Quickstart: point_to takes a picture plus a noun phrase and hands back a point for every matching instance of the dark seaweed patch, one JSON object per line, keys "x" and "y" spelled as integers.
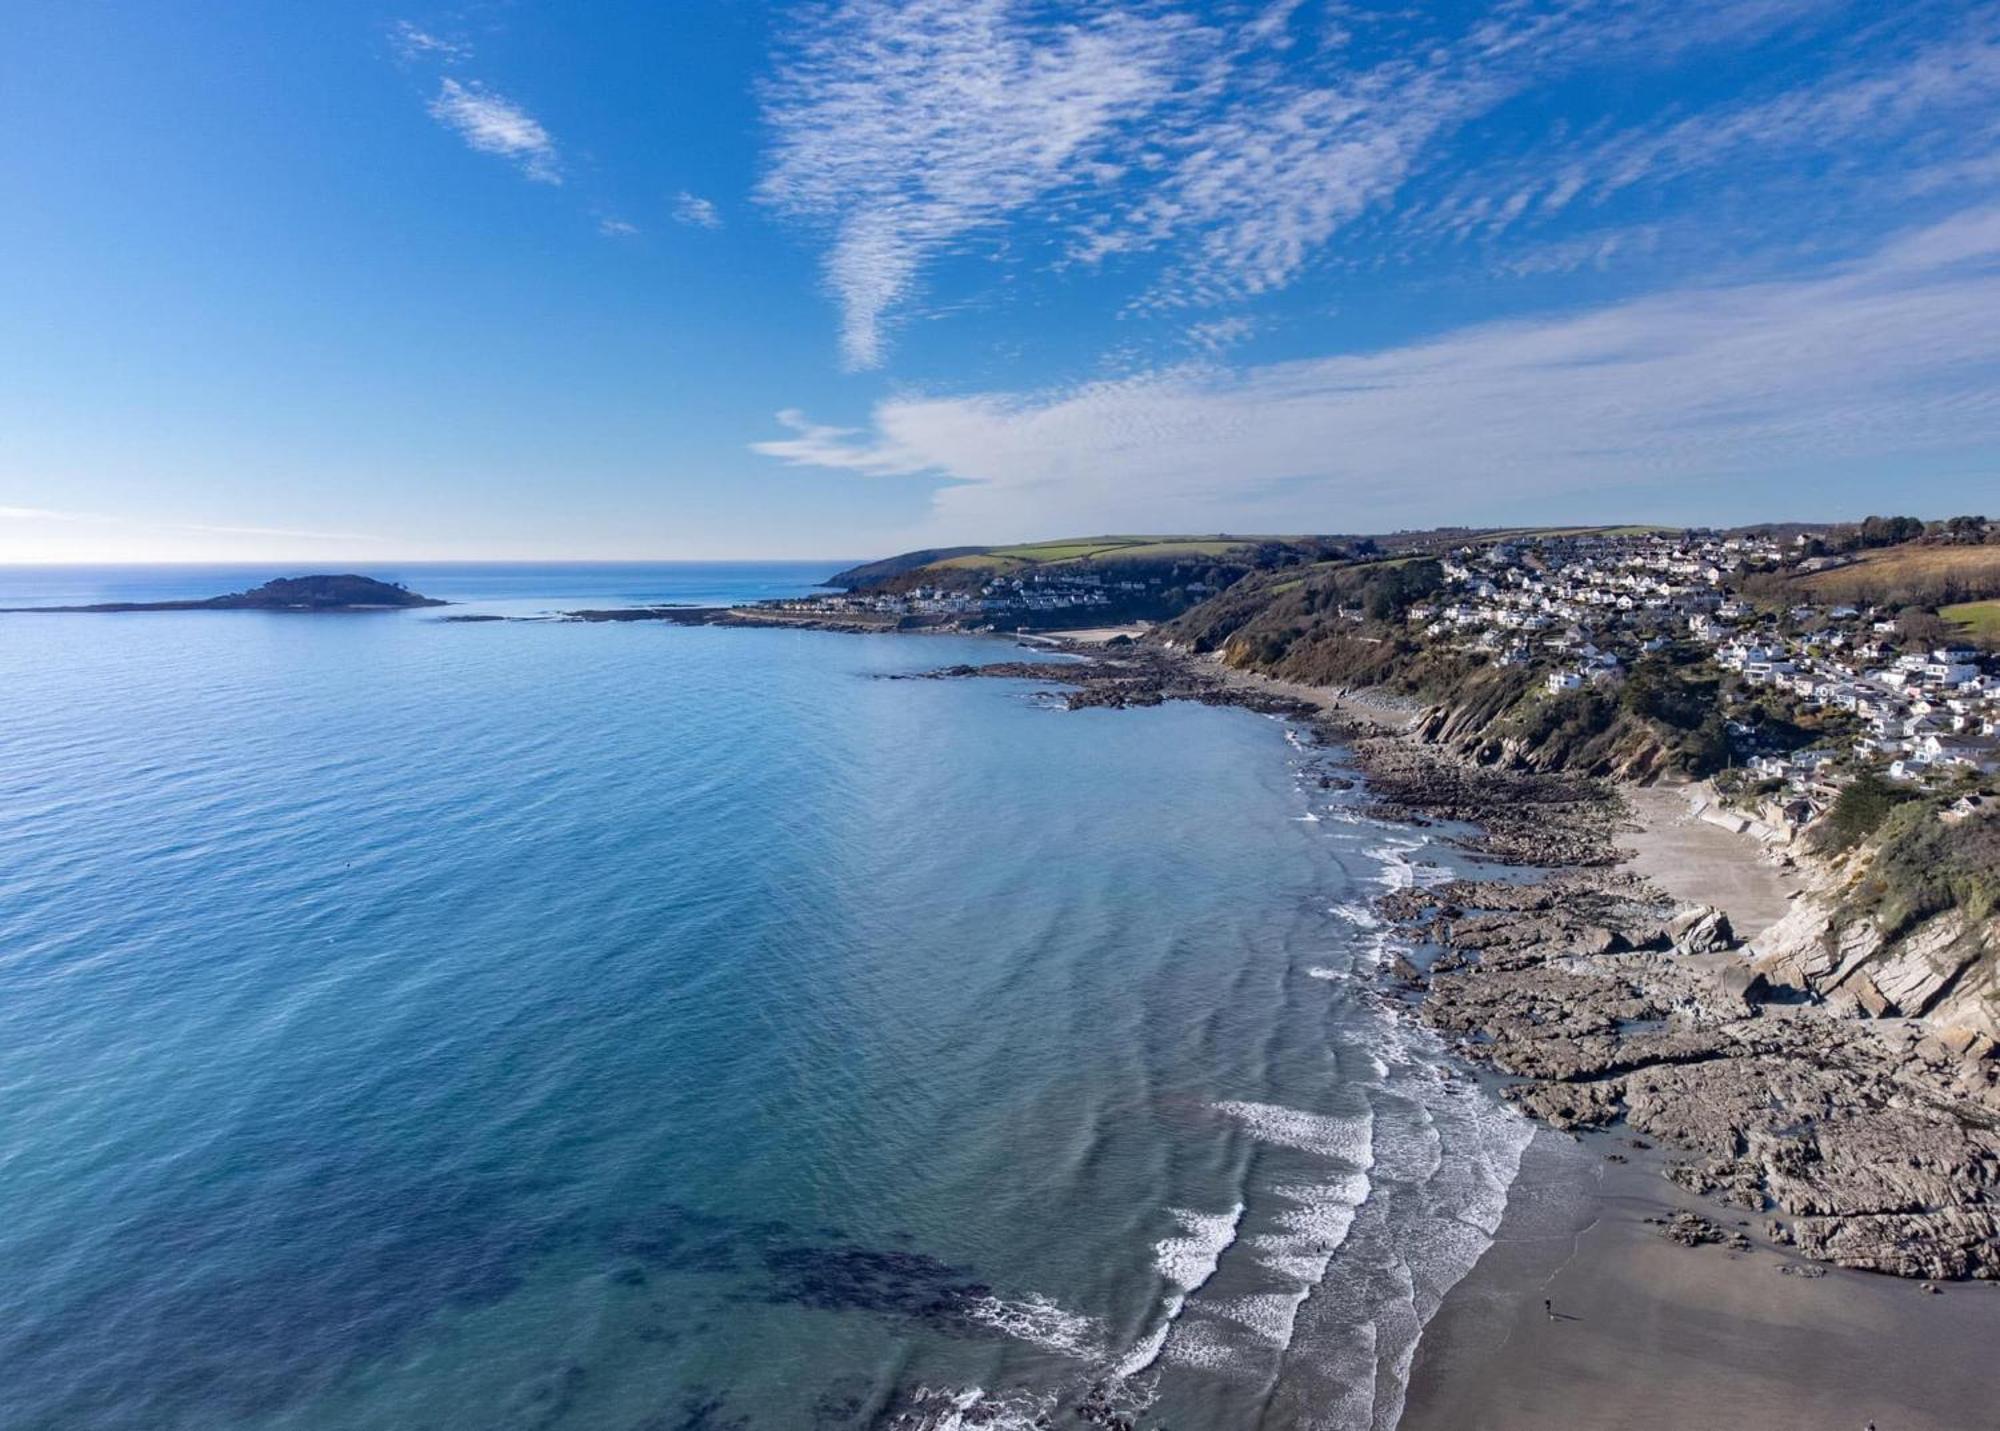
{"x": 292, "y": 1293}
{"x": 890, "y": 1283}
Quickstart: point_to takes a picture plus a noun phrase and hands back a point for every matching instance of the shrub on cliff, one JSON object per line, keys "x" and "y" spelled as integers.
{"x": 1858, "y": 813}
{"x": 1923, "y": 867}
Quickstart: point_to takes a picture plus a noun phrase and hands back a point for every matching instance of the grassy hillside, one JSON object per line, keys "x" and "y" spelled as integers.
{"x": 1224, "y": 555}
{"x": 1341, "y": 623}
{"x": 1979, "y": 620}
{"x": 1112, "y": 551}
{"x": 1913, "y": 574}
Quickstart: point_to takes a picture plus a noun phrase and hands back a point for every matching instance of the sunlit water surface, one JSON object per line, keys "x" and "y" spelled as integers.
{"x": 408, "y": 1023}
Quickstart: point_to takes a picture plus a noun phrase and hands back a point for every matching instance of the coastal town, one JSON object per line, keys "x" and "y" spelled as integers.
{"x": 1815, "y": 693}
{"x": 998, "y": 600}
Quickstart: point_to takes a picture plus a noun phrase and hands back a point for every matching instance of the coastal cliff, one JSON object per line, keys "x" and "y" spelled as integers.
{"x": 1899, "y": 924}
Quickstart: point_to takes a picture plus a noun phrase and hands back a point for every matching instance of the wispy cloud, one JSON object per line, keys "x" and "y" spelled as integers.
{"x": 1892, "y": 355}
{"x": 1252, "y": 189}
{"x": 1237, "y": 145}
{"x": 903, "y": 126}
{"x": 840, "y": 449}
{"x": 1938, "y": 89}
{"x": 696, "y": 211}
{"x": 1219, "y": 334}
{"x": 492, "y": 124}
{"x": 1597, "y": 250}
{"x": 616, "y": 228}
{"x": 304, "y": 535}
{"x": 412, "y": 43}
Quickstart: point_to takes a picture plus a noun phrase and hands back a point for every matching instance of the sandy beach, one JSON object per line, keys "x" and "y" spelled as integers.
{"x": 1701, "y": 863}
{"x": 1649, "y": 1333}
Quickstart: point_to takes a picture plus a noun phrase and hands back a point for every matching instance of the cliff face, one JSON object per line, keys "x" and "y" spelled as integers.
{"x": 1943, "y": 968}
{"x": 1618, "y": 748}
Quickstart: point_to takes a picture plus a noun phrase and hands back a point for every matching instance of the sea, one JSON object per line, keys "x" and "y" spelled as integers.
{"x": 410, "y": 1023}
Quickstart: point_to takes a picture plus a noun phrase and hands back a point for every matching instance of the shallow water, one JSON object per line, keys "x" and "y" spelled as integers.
{"x": 407, "y": 1023}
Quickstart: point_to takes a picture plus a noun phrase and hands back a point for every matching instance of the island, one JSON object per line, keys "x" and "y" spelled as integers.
{"x": 286, "y": 593}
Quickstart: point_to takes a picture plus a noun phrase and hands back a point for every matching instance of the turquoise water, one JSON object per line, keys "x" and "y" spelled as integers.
{"x": 416, "y": 1024}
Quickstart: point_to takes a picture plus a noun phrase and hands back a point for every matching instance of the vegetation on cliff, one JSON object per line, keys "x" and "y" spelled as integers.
{"x": 1343, "y": 624}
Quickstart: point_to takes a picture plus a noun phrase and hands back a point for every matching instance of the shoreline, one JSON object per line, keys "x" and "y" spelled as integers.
{"x": 1705, "y": 1148}
{"x": 1685, "y": 1294}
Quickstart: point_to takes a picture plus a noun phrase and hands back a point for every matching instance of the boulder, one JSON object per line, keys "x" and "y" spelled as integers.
{"x": 1963, "y": 1042}
{"x": 1701, "y": 929}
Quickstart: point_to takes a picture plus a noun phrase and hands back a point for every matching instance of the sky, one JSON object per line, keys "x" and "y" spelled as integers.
{"x": 710, "y": 279}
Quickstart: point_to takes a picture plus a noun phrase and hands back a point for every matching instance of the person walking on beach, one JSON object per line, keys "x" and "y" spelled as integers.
{"x": 1549, "y": 1307}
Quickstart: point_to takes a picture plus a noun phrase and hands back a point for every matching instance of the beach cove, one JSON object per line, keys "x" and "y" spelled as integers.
{"x": 1615, "y": 1294}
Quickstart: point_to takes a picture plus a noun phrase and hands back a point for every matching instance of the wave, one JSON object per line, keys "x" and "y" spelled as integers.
{"x": 1357, "y": 914}
{"x": 1040, "y": 1322}
{"x": 1190, "y": 1259}
{"x": 961, "y": 1408}
{"x": 1331, "y": 1135}
{"x": 1187, "y": 1261}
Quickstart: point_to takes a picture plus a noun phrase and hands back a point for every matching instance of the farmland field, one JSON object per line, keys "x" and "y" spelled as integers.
{"x": 1913, "y": 575}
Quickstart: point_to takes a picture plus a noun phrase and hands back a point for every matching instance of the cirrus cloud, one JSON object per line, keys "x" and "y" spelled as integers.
{"x": 493, "y": 124}
{"x": 900, "y": 127}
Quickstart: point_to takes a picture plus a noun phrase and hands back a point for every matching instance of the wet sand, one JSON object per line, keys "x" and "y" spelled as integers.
{"x": 1653, "y": 1336}
{"x": 1650, "y": 1335}
{"x": 1382, "y": 709}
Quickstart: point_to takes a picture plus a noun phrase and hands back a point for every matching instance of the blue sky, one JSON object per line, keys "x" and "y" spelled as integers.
{"x": 709, "y": 279}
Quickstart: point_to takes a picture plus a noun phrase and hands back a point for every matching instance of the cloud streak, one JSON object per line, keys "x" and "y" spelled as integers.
{"x": 1840, "y": 115}
{"x": 412, "y": 43}
{"x": 901, "y": 127}
{"x": 490, "y": 123}
{"x": 1891, "y": 355}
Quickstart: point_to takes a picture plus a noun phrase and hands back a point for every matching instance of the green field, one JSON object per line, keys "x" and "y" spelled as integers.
{"x": 1111, "y": 549}
{"x": 1977, "y": 619}
{"x": 1107, "y": 549}
{"x": 1516, "y": 534}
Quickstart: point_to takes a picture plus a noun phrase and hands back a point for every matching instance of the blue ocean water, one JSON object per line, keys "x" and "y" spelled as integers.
{"x": 407, "y": 1023}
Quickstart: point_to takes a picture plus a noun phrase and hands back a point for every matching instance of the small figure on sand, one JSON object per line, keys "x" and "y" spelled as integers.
{"x": 1549, "y": 1307}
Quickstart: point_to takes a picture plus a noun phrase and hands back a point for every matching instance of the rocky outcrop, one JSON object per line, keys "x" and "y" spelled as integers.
{"x": 1869, "y": 1156}
{"x": 1864, "y": 1144}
